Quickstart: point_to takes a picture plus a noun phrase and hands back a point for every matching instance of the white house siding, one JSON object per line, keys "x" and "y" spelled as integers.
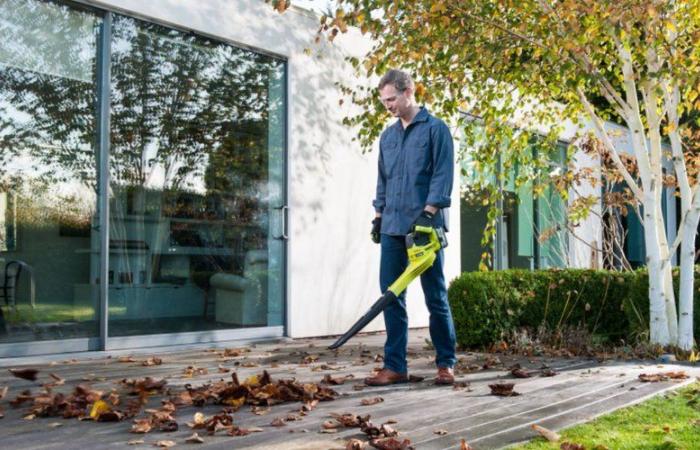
{"x": 332, "y": 264}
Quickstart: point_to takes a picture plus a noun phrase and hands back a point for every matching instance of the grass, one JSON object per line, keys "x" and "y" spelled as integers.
{"x": 666, "y": 422}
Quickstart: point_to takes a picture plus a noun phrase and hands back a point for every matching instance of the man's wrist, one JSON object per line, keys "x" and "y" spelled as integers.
{"x": 431, "y": 209}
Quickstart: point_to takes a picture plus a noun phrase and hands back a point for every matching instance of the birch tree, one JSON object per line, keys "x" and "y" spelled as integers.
{"x": 539, "y": 63}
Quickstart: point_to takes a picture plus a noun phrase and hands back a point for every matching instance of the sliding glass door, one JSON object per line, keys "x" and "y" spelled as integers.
{"x": 197, "y": 183}
{"x": 48, "y": 231}
{"x": 190, "y": 155}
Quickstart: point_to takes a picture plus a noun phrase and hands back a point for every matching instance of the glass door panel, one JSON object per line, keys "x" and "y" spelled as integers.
{"x": 48, "y": 233}
{"x": 197, "y": 183}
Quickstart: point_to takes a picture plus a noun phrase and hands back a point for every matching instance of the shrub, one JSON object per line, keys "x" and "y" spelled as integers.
{"x": 611, "y": 305}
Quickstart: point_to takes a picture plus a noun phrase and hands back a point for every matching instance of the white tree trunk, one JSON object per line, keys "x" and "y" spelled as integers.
{"x": 687, "y": 281}
{"x": 658, "y": 311}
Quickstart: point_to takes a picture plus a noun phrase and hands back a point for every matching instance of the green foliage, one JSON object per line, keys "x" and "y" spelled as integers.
{"x": 611, "y": 305}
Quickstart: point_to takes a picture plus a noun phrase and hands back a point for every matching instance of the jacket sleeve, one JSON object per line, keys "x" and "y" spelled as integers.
{"x": 443, "y": 164}
{"x": 380, "y": 198}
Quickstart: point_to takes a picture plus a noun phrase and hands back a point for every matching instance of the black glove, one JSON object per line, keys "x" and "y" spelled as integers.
{"x": 376, "y": 229}
{"x": 426, "y": 219}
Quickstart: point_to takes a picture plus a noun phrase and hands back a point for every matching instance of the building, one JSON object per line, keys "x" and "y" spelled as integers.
{"x": 178, "y": 173}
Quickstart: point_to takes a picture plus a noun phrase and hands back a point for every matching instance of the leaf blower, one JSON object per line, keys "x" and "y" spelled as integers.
{"x": 422, "y": 245}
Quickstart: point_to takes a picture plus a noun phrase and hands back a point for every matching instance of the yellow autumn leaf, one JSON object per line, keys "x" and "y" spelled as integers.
{"x": 99, "y": 407}
{"x": 235, "y": 402}
{"x": 251, "y": 380}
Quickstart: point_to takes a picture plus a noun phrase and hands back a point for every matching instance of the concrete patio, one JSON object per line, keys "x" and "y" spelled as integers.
{"x": 432, "y": 417}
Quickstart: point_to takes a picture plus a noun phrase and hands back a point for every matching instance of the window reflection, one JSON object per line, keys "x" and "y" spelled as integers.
{"x": 196, "y": 180}
{"x": 47, "y": 171}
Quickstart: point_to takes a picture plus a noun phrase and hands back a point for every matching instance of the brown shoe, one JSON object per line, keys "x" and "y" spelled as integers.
{"x": 445, "y": 375}
{"x": 386, "y": 377}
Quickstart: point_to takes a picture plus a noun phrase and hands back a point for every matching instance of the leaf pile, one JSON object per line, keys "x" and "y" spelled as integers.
{"x": 383, "y": 437}
{"x": 256, "y": 390}
{"x": 662, "y": 376}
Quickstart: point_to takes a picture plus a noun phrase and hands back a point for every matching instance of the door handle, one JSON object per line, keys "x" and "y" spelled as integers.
{"x": 284, "y": 210}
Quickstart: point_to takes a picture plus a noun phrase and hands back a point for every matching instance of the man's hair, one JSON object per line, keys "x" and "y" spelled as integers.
{"x": 398, "y": 78}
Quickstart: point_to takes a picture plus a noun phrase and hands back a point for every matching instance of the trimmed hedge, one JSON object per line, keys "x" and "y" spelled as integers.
{"x": 611, "y": 305}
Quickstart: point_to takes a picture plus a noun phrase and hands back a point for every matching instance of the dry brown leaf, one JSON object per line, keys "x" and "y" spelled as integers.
{"x": 141, "y": 426}
{"x": 548, "y": 373}
{"x": 153, "y": 361}
{"x": 355, "y": 444}
{"x": 520, "y": 373}
{"x": 391, "y": 444}
{"x": 135, "y": 442}
{"x": 3, "y": 392}
{"x": 441, "y": 432}
{"x": 126, "y": 359}
{"x": 371, "y": 401}
{"x": 278, "y": 422}
{"x": 330, "y": 424}
{"x": 25, "y": 374}
{"x": 164, "y": 443}
{"x": 194, "y": 439}
{"x": 464, "y": 446}
{"x": 58, "y": 381}
{"x": 571, "y": 446}
{"x": 503, "y": 389}
{"x": 550, "y": 435}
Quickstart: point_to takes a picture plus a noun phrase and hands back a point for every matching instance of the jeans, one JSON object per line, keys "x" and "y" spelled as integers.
{"x": 394, "y": 260}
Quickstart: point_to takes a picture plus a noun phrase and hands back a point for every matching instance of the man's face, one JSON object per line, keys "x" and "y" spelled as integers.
{"x": 397, "y": 102}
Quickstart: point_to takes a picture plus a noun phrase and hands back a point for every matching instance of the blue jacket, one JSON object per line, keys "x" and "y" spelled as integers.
{"x": 416, "y": 168}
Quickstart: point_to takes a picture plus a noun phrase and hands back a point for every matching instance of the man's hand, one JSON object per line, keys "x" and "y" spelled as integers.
{"x": 376, "y": 230}
{"x": 426, "y": 219}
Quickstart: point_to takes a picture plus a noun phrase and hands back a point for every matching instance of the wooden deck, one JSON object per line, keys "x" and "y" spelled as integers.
{"x": 583, "y": 389}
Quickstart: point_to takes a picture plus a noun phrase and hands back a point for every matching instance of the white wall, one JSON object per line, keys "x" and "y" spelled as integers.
{"x": 333, "y": 266}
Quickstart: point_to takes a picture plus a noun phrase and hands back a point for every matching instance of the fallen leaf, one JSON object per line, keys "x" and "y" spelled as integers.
{"x": 135, "y": 442}
{"x": 355, "y": 444}
{"x": 154, "y": 361}
{"x": 571, "y": 446}
{"x": 464, "y": 446}
{"x": 550, "y": 435}
{"x": 25, "y": 374}
{"x": 3, "y": 392}
{"x": 441, "y": 432}
{"x": 391, "y": 444}
{"x": 328, "y": 430}
{"x": 371, "y": 401}
{"x": 503, "y": 389}
{"x": 278, "y": 422}
{"x": 329, "y": 424}
{"x": 99, "y": 407}
{"x": 126, "y": 359}
{"x": 164, "y": 444}
{"x": 58, "y": 381}
{"x": 520, "y": 373}
{"x": 662, "y": 376}
{"x": 141, "y": 426}
{"x": 548, "y": 373}
{"x": 194, "y": 439}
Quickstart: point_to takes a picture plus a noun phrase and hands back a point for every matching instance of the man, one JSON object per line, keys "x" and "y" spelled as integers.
{"x": 414, "y": 184}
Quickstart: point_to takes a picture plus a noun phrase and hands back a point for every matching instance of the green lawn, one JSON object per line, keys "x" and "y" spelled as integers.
{"x": 670, "y": 421}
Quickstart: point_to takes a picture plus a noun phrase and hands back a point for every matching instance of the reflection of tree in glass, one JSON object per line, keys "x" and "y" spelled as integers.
{"x": 179, "y": 100}
{"x": 47, "y": 97}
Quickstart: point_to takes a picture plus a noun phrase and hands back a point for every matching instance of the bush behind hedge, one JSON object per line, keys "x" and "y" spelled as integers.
{"x": 612, "y": 305}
